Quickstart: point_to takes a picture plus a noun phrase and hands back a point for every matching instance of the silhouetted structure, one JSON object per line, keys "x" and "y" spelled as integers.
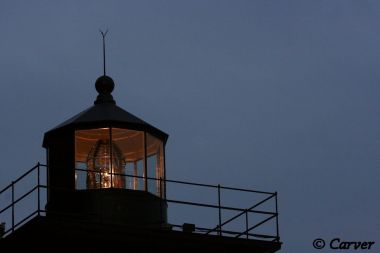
{"x": 106, "y": 189}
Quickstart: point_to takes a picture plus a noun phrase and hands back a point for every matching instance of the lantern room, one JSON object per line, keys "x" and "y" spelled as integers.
{"x": 107, "y": 155}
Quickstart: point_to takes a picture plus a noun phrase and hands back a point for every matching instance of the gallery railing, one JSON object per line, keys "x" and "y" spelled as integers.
{"x": 25, "y": 190}
{"x": 22, "y": 203}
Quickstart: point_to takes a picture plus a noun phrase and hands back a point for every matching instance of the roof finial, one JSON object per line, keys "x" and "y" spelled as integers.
{"x": 104, "y": 84}
{"x": 104, "y": 50}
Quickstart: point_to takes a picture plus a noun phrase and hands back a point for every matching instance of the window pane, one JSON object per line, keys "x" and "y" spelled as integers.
{"x": 155, "y": 165}
{"x": 80, "y": 175}
{"x": 93, "y": 153}
{"x": 140, "y": 181}
{"x": 130, "y": 182}
{"x": 131, "y": 145}
{"x": 152, "y": 174}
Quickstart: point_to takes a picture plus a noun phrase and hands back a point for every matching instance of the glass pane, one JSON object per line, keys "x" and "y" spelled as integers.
{"x": 93, "y": 154}
{"x": 155, "y": 165}
{"x": 80, "y": 175}
{"x": 139, "y": 171}
{"x": 130, "y": 181}
{"x": 152, "y": 174}
{"x": 131, "y": 145}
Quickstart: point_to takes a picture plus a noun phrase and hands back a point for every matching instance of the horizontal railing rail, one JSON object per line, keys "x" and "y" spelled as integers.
{"x": 217, "y": 207}
{"x": 182, "y": 182}
{"x": 205, "y": 230}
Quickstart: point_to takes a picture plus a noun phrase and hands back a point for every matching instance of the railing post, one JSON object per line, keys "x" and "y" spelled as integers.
{"x": 220, "y": 212}
{"x": 145, "y": 164}
{"x": 277, "y": 230}
{"x": 38, "y": 188}
{"x": 161, "y": 214}
{"x": 111, "y": 158}
{"x": 100, "y": 178}
{"x": 160, "y": 188}
{"x": 246, "y": 223}
{"x": 13, "y": 206}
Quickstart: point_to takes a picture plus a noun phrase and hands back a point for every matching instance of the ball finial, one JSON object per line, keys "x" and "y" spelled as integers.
{"x": 104, "y": 85}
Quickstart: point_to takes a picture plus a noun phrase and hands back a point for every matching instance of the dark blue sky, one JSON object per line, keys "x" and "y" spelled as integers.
{"x": 272, "y": 95}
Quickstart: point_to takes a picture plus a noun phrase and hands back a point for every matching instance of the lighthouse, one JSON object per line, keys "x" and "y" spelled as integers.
{"x": 104, "y": 188}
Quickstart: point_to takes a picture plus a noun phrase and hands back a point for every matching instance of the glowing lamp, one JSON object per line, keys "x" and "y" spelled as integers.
{"x": 105, "y": 164}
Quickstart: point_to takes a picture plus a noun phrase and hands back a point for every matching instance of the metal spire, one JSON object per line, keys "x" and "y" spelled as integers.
{"x": 104, "y": 50}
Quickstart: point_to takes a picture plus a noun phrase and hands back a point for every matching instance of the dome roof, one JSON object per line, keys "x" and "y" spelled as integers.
{"x": 104, "y": 113}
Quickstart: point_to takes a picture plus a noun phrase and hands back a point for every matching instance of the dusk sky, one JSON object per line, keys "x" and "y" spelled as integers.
{"x": 268, "y": 95}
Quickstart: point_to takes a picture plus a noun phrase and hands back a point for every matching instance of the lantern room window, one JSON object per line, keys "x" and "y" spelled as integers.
{"x": 119, "y": 158}
{"x": 155, "y": 164}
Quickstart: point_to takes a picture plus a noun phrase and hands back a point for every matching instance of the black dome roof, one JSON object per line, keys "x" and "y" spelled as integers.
{"x": 104, "y": 113}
